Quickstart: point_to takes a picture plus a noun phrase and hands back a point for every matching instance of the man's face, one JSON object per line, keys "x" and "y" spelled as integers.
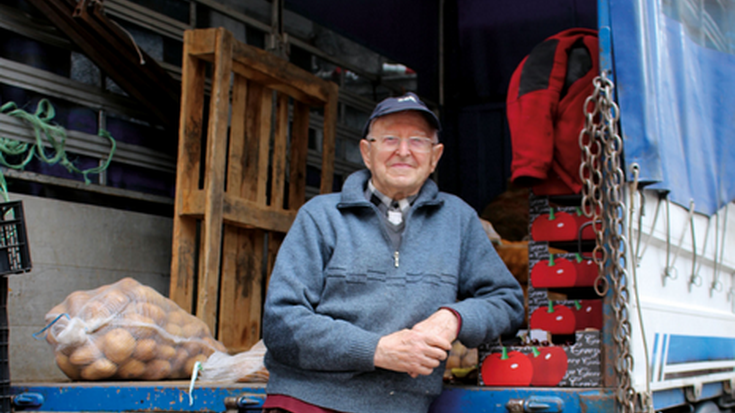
{"x": 401, "y": 171}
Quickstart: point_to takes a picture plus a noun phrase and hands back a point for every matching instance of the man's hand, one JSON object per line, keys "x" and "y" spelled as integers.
{"x": 410, "y": 351}
{"x": 442, "y": 323}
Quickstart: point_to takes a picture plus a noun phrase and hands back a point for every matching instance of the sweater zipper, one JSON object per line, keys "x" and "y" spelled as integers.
{"x": 396, "y": 256}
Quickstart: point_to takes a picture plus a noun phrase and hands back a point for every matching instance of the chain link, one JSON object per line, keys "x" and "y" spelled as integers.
{"x": 603, "y": 179}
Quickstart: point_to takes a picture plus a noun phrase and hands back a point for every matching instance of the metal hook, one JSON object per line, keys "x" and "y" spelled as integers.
{"x": 694, "y": 279}
{"x": 716, "y": 283}
{"x": 639, "y": 256}
{"x": 669, "y": 269}
{"x": 635, "y": 169}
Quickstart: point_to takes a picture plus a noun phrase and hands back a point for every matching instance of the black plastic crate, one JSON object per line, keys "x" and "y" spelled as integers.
{"x": 5, "y": 396}
{"x": 15, "y": 256}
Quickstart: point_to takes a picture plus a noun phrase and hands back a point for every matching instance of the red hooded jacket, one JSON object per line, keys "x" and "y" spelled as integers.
{"x": 545, "y": 109}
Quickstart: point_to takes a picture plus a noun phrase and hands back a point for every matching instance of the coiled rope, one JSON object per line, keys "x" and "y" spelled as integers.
{"x": 47, "y": 134}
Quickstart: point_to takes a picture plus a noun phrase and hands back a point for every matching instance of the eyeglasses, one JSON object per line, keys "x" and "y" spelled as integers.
{"x": 391, "y": 143}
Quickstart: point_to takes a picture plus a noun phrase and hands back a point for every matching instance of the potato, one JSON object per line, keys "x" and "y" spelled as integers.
{"x": 69, "y": 369}
{"x": 152, "y": 311}
{"x": 94, "y": 311}
{"x": 165, "y": 352}
{"x": 156, "y": 370}
{"x": 470, "y": 359}
{"x": 178, "y": 362}
{"x": 178, "y": 317}
{"x": 194, "y": 328}
{"x": 189, "y": 365}
{"x": 149, "y": 295}
{"x": 193, "y": 347}
{"x": 75, "y": 301}
{"x": 132, "y": 369}
{"x": 453, "y": 361}
{"x": 115, "y": 300}
{"x": 85, "y": 354}
{"x": 127, "y": 284}
{"x": 139, "y": 325}
{"x": 51, "y": 338}
{"x": 145, "y": 349}
{"x": 173, "y": 329}
{"x": 100, "y": 369}
{"x": 216, "y": 345}
{"x": 118, "y": 345}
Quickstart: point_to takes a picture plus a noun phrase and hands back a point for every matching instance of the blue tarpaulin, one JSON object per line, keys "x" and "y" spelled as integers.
{"x": 674, "y": 68}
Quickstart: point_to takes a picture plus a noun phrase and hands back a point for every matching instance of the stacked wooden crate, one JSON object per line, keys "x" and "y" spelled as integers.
{"x": 241, "y": 176}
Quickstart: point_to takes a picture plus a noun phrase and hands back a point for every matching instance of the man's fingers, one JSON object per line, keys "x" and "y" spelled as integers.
{"x": 410, "y": 352}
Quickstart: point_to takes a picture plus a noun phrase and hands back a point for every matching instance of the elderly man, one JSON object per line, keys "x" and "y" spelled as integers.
{"x": 372, "y": 285}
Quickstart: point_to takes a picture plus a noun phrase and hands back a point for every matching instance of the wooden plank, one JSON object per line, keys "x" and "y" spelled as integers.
{"x": 214, "y": 180}
{"x": 280, "y": 146}
{"x": 275, "y": 239}
{"x": 204, "y": 46}
{"x": 272, "y": 83}
{"x": 263, "y": 136}
{"x": 299, "y": 151}
{"x": 258, "y": 118}
{"x": 183, "y": 249}
{"x": 244, "y": 213}
{"x": 279, "y": 74}
{"x": 244, "y": 331}
{"x": 229, "y": 323}
{"x": 241, "y": 212}
{"x": 330, "y": 125}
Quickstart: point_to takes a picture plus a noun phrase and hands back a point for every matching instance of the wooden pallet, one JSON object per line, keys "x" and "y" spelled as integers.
{"x": 233, "y": 211}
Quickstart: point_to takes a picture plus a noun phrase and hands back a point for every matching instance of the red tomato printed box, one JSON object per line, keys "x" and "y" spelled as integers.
{"x": 547, "y": 270}
{"x": 558, "y": 223}
{"x": 566, "y": 316}
{"x": 575, "y": 365}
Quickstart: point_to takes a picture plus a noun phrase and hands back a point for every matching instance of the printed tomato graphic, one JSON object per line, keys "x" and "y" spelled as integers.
{"x": 587, "y": 314}
{"x": 559, "y": 272}
{"x": 556, "y": 319}
{"x": 586, "y": 271}
{"x": 554, "y": 226}
{"x": 509, "y": 368}
{"x": 549, "y": 366}
{"x": 585, "y": 224}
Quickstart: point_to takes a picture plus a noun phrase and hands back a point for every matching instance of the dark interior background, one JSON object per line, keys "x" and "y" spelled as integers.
{"x": 484, "y": 41}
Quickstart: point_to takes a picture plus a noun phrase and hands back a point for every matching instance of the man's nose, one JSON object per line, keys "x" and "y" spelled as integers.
{"x": 403, "y": 147}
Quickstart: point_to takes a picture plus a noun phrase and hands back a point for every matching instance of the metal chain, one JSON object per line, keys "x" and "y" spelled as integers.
{"x": 602, "y": 172}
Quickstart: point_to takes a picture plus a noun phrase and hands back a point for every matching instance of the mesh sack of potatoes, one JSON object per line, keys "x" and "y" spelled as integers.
{"x": 126, "y": 331}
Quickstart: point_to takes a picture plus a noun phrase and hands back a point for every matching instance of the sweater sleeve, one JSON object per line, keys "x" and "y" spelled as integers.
{"x": 490, "y": 299}
{"x": 293, "y": 331}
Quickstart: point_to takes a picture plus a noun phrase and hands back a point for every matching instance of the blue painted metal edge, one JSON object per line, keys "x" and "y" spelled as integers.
{"x": 138, "y": 396}
{"x": 475, "y": 399}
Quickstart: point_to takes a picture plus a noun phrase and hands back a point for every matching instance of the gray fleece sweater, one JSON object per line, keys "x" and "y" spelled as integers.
{"x": 338, "y": 285}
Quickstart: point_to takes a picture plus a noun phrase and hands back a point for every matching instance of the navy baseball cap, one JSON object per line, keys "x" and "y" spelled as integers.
{"x": 409, "y": 101}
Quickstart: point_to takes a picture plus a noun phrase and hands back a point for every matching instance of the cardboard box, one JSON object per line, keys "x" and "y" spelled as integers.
{"x": 574, "y": 365}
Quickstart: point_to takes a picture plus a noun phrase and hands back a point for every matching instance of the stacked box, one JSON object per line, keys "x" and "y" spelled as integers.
{"x": 558, "y": 223}
{"x": 574, "y": 365}
{"x": 561, "y": 304}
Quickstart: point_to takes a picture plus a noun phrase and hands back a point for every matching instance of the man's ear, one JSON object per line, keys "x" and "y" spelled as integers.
{"x": 365, "y": 152}
{"x": 436, "y": 154}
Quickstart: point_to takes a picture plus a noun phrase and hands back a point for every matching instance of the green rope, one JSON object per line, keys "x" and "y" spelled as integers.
{"x": 46, "y": 134}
